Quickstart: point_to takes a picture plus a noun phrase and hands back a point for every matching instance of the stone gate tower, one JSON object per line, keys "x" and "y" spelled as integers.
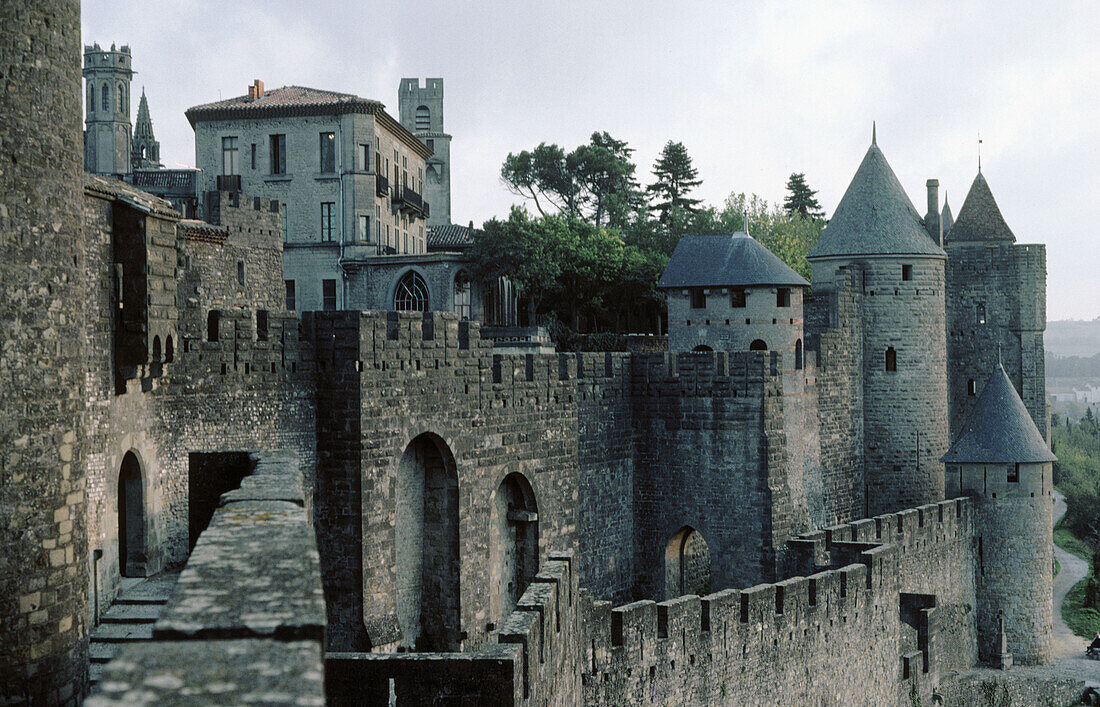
{"x": 43, "y": 538}
{"x": 877, "y": 235}
{"x": 1002, "y": 461}
{"x": 107, "y": 75}
{"x": 421, "y": 112}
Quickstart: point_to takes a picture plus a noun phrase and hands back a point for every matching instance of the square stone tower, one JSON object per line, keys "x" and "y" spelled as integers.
{"x": 107, "y": 135}
{"x": 421, "y": 111}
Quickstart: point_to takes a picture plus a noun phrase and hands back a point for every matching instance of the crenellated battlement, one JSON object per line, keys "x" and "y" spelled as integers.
{"x": 256, "y": 348}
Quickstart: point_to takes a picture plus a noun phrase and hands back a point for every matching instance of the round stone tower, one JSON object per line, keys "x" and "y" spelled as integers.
{"x": 877, "y": 235}
{"x": 43, "y": 540}
{"x": 1003, "y": 463}
{"x": 107, "y": 142}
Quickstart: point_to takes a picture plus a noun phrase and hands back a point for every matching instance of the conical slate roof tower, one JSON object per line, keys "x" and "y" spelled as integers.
{"x": 876, "y": 253}
{"x": 979, "y": 218}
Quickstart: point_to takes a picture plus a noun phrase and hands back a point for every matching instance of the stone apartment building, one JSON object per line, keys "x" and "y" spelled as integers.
{"x": 348, "y": 177}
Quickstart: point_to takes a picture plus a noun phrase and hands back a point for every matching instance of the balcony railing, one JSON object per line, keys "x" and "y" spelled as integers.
{"x": 382, "y": 185}
{"x": 406, "y": 199}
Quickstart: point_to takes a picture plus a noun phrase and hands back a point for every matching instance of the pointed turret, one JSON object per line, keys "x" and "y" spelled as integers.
{"x": 979, "y": 218}
{"x": 1006, "y": 468}
{"x": 875, "y": 216}
{"x": 945, "y": 216}
{"x": 1000, "y": 429}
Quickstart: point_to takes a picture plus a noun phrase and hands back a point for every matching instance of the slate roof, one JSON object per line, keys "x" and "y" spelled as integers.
{"x": 875, "y": 217}
{"x": 450, "y": 237}
{"x": 128, "y": 194}
{"x": 979, "y": 218}
{"x": 727, "y": 260}
{"x": 1000, "y": 430}
{"x": 166, "y": 178}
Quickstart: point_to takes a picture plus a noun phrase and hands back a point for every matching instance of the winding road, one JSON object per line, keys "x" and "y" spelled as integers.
{"x": 1069, "y": 650}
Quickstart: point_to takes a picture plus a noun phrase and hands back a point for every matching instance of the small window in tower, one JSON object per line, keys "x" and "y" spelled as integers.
{"x": 737, "y": 297}
{"x": 783, "y": 297}
{"x": 971, "y": 387}
{"x": 91, "y": 97}
{"x": 240, "y": 273}
{"x": 213, "y": 320}
{"x": 1013, "y": 473}
{"x": 698, "y": 298}
{"x": 431, "y": 144}
{"x": 261, "y": 325}
{"x": 891, "y": 360}
{"x": 423, "y": 119}
{"x": 364, "y": 229}
{"x": 253, "y": 155}
{"x": 798, "y": 355}
{"x": 282, "y": 217}
{"x": 121, "y": 97}
{"x": 906, "y": 272}
{"x": 979, "y": 313}
{"x": 106, "y": 102}
{"x": 364, "y": 156}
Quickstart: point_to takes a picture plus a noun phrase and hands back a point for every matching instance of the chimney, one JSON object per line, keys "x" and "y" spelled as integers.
{"x": 932, "y": 218}
{"x": 256, "y": 90}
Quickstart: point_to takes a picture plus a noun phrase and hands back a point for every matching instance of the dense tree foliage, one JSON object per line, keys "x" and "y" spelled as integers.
{"x": 1077, "y": 475}
{"x": 589, "y": 258}
{"x": 801, "y": 199}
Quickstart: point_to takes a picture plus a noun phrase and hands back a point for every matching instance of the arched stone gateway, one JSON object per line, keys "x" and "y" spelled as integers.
{"x": 514, "y": 544}
{"x": 687, "y": 564}
{"x": 131, "y": 518}
{"x": 426, "y": 547}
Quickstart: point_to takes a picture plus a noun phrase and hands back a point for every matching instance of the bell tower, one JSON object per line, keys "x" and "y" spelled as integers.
{"x": 107, "y": 133}
{"x": 421, "y": 111}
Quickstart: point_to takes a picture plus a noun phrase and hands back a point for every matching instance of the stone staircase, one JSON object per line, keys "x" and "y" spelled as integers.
{"x": 129, "y": 619}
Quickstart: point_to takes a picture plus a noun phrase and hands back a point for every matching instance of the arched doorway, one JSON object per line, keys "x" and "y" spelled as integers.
{"x": 702, "y": 348}
{"x": 426, "y": 547}
{"x": 514, "y": 547}
{"x": 687, "y": 564}
{"x": 758, "y": 345}
{"x": 131, "y": 518}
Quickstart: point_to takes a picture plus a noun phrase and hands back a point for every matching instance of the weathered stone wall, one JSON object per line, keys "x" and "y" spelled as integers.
{"x": 834, "y": 389}
{"x": 245, "y": 623}
{"x": 723, "y": 327}
{"x": 710, "y": 456}
{"x": 43, "y": 566}
{"x": 386, "y": 379}
{"x": 1008, "y": 281}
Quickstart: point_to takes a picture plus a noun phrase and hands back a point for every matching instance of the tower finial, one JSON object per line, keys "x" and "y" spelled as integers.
{"x": 745, "y": 221}
{"x": 874, "y": 134}
{"x": 979, "y": 152}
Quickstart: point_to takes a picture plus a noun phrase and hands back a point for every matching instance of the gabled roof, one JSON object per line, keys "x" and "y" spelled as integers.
{"x": 727, "y": 260}
{"x": 1000, "y": 430}
{"x": 979, "y": 218}
{"x": 875, "y": 217}
{"x": 128, "y": 194}
{"x": 450, "y": 237}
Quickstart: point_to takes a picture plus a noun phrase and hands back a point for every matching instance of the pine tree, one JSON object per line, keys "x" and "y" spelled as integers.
{"x": 676, "y": 177}
{"x": 801, "y": 198}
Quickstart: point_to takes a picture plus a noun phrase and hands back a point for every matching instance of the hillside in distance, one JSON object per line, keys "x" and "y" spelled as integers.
{"x": 1073, "y": 337}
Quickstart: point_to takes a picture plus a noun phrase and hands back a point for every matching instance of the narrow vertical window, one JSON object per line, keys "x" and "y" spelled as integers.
{"x": 261, "y": 325}
{"x": 326, "y": 220}
{"x": 364, "y": 157}
{"x": 971, "y": 387}
{"x": 282, "y": 213}
{"x": 891, "y": 360}
{"x": 979, "y": 313}
{"x": 462, "y": 295}
{"x": 328, "y": 295}
{"x": 91, "y": 97}
{"x": 240, "y": 273}
{"x": 253, "y": 155}
{"x": 906, "y": 272}
{"x": 229, "y": 155}
{"x": 328, "y": 152}
{"x": 106, "y": 102}
{"x": 213, "y": 321}
{"x": 120, "y": 99}
{"x": 291, "y": 299}
{"x": 798, "y": 355}
{"x": 364, "y": 229}
{"x": 278, "y": 154}
{"x": 1013, "y": 473}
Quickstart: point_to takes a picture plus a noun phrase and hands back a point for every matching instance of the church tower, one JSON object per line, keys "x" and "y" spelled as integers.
{"x": 421, "y": 112}
{"x": 145, "y": 153}
{"x": 107, "y": 75}
{"x": 877, "y": 239}
{"x": 1001, "y": 460}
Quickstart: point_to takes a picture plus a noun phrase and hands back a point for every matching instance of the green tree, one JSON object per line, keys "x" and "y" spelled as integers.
{"x": 595, "y": 182}
{"x": 800, "y": 198}
{"x": 528, "y": 252}
{"x": 676, "y": 177}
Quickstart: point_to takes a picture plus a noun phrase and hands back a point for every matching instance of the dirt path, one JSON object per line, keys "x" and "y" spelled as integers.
{"x": 1073, "y": 571}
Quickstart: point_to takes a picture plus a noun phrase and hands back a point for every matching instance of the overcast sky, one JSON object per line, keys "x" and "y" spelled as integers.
{"x": 754, "y": 90}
